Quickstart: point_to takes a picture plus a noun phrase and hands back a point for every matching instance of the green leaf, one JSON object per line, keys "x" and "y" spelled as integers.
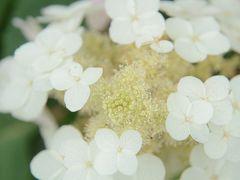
{"x": 18, "y": 142}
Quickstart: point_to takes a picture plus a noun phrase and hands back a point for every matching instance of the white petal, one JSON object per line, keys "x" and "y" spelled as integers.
{"x": 150, "y": 167}
{"x": 76, "y": 97}
{"x": 201, "y": 111}
{"x": 116, "y": 8}
{"x": 217, "y": 88}
{"x": 75, "y": 173}
{"x": 106, "y": 140}
{"x": 33, "y": 107}
{"x": 188, "y": 50}
{"x": 233, "y": 153}
{"x": 178, "y": 104}
{"x": 131, "y": 141}
{"x": 235, "y": 89}
{"x": 205, "y": 24}
{"x": 75, "y": 152}
{"x": 49, "y": 37}
{"x": 178, "y": 28}
{"x": 234, "y": 125}
{"x": 42, "y": 83}
{"x": 223, "y": 112}
{"x": 198, "y": 158}
{"x": 46, "y": 63}
{"x": 215, "y": 148}
{"x": 63, "y": 134}
{"x": 61, "y": 79}
{"x": 16, "y": 94}
{"x": 163, "y": 46}
{"x": 106, "y": 163}
{"x": 177, "y": 128}
{"x": 27, "y": 53}
{"x": 199, "y": 133}
{"x": 91, "y": 75}
{"x": 47, "y": 165}
{"x": 194, "y": 173}
{"x": 127, "y": 163}
{"x": 69, "y": 44}
{"x": 230, "y": 170}
{"x": 147, "y": 6}
{"x": 120, "y": 176}
{"x": 93, "y": 150}
{"x": 235, "y": 85}
{"x": 150, "y": 25}
{"x": 191, "y": 87}
{"x": 121, "y": 31}
{"x": 214, "y": 43}
{"x": 93, "y": 175}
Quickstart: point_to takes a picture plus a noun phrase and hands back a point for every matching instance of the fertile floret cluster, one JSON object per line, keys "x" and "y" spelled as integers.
{"x": 155, "y": 87}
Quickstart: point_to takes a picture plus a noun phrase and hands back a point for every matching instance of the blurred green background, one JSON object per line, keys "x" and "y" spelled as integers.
{"x": 19, "y": 141}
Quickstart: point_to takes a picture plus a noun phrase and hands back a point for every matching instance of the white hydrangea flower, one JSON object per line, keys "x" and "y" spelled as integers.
{"x": 71, "y": 78}
{"x": 228, "y": 17}
{"x": 235, "y": 93}
{"x": 162, "y": 46}
{"x": 117, "y": 154}
{"x": 51, "y": 47}
{"x": 68, "y": 157}
{"x": 49, "y": 164}
{"x": 204, "y": 168}
{"x": 150, "y": 168}
{"x": 224, "y": 141}
{"x": 214, "y": 90}
{"x": 186, "y": 118}
{"x": 79, "y": 158}
{"x": 20, "y": 95}
{"x": 196, "y": 39}
{"x": 67, "y": 18}
{"x": 49, "y": 50}
{"x": 188, "y": 8}
{"x": 135, "y": 21}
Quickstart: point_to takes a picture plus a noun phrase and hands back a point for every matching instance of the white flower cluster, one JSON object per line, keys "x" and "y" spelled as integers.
{"x": 227, "y": 13}
{"x": 195, "y": 39}
{"x": 139, "y": 22}
{"x": 209, "y": 113}
{"x": 204, "y": 168}
{"x": 106, "y": 157}
{"x": 46, "y": 63}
